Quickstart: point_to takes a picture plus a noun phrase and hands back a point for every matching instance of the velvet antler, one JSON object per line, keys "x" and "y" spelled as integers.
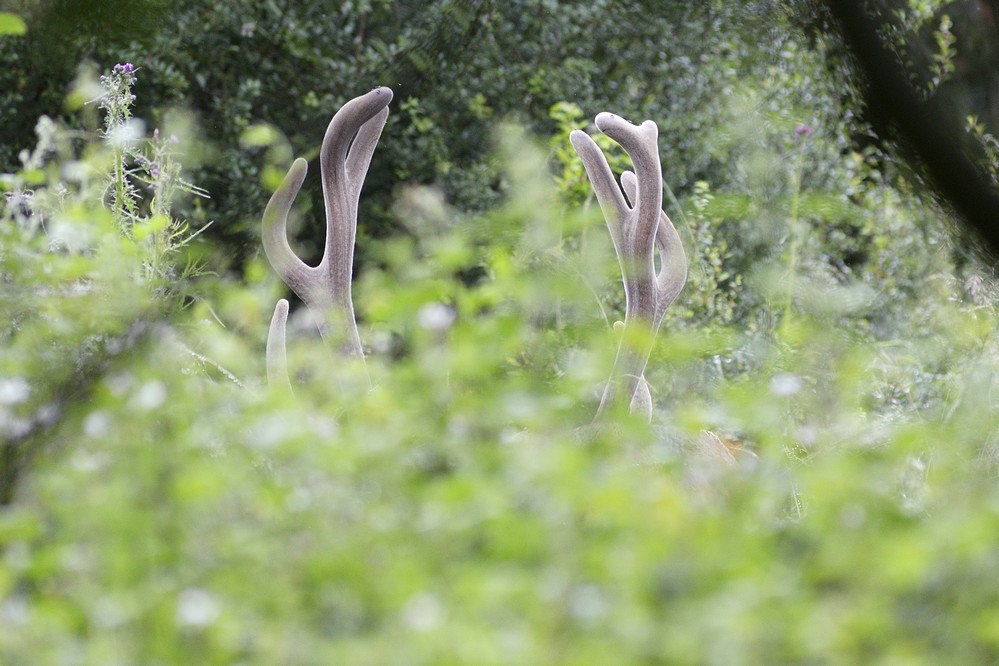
{"x": 638, "y": 226}
{"x": 344, "y": 159}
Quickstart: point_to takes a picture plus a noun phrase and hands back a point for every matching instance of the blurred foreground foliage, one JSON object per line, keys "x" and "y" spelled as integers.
{"x": 163, "y": 504}
{"x": 178, "y": 510}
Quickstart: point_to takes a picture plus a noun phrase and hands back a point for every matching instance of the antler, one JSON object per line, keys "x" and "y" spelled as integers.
{"x": 346, "y": 154}
{"x": 277, "y": 355}
{"x": 638, "y": 226}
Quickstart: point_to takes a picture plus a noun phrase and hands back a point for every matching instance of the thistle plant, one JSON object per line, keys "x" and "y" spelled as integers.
{"x": 143, "y": 181}
{"x": 122, "y": 196}
{"x": 83, "y": 241}
{"x": 794, "y": 228}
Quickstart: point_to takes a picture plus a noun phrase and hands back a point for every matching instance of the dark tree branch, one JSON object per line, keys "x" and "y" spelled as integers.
{"x": 926, "y": 129}
{"x": 17, "y": 451}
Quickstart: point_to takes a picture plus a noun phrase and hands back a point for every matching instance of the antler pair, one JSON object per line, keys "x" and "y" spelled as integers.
{"x": 344, "y": 159}
{"x": 638, "y": 226}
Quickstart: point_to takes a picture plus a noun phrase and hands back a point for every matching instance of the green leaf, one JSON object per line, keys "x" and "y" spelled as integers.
{"x": 11, "y": 24}
{"x": 259, "y": 135}
{"x": 154, "y": 225}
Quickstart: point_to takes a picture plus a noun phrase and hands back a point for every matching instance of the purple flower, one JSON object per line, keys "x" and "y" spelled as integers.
{"x": 126, "y": 68}
{"x": 804, "y": 131}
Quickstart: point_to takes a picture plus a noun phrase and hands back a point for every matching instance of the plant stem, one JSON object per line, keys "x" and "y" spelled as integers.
{"x": 792, "y": 259}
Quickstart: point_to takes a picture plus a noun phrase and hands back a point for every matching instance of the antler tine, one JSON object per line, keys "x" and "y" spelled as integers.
{"x": 612, "y": 203}
{"x": 673, "y": 269}
{"x": 638, "y": 227}
{"x": 295, "y": 273}
{"x": 360, "y": 151}
{"x": 345, "y": 156}
{"x": 673, "y": 260}
{"x": 641, "y": 144}
{"x": 277, "y": 357}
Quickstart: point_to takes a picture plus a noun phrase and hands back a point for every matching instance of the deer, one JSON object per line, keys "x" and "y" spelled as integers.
{"x": 639, "y": 228}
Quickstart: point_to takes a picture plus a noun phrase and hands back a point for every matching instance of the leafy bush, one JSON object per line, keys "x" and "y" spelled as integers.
{"x": 457, "y": 67}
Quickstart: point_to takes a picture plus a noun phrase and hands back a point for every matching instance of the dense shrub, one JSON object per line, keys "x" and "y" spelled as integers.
{"x": 456, "y": 67}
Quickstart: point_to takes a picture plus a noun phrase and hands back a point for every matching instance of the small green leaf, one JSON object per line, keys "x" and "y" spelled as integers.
{"x": 271, "y": 177}
{"x": 33, "y": 176}
{"x": 154, "y": 225}
{"x": 259, "y": 135}
{"x": 11, "y": 24}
